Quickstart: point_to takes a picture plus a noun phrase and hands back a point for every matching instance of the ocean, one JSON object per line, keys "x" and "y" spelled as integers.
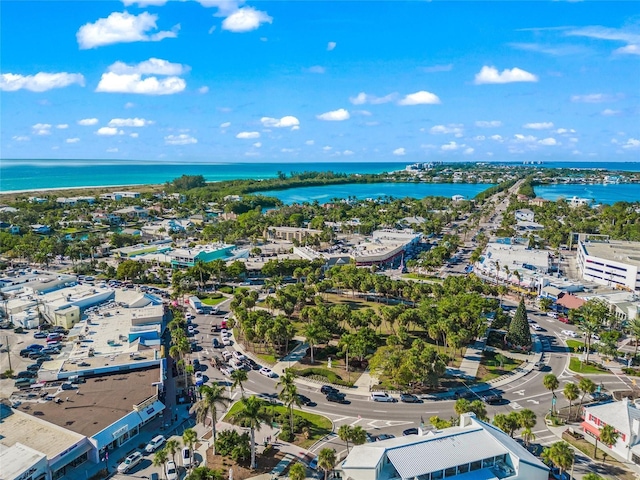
{"x": 607, "y": 194}
{"x": 24, "y": 175}
{"x": 360, "y": 191}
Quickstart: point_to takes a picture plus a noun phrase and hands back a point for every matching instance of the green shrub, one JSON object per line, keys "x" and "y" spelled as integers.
{"x": 285, "y": 434}
{"x": 215, "y": 295}
{"x": 331, "y": 377}
{"x": 631, "y": 371}
{"x": 226, "y": 289}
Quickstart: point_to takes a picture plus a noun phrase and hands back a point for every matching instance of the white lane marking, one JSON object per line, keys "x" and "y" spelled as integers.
{"x": 380, "y": 411}
{"x": 515, "y": 405}
{"x": 356, "y": 421}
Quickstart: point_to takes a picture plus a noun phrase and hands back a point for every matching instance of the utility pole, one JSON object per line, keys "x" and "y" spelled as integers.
{"x": 8, "y": 351}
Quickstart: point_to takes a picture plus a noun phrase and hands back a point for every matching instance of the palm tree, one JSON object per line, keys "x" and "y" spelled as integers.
{"x": 609, "y": 436}
{"x": 571, "y": 392}
{"x": 189, "y": 437}
{"x": 326, "y": 460}
{"x": 172, "y": 447}
{"x": 592, "y": 315}
{"x": 289, "y": 393}
{"x": 252, "y": 415}
{"x": 160, "y": 458}
{"x": 527, "y": 418}
{"x": 239, "y": 376}
{"x": 358, "y": 435}
{"x": 314, "y": 334}
{"x": 550, "y": 382}
{"x": 586, "y": 385}
{"x": 344, "y": 433}
{"x": 297, "y": 471}
{"x": 527, "y": 436}
{"x": 634, "y": 329}
{"x": 560, "y": 454}
{"x": 212, "y": 396}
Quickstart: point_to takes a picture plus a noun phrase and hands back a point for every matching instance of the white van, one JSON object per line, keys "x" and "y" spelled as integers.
{"x": 382, "y": 397}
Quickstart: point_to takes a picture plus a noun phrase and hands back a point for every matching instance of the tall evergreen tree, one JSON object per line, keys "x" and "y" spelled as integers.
{"x": 519, "y": 328}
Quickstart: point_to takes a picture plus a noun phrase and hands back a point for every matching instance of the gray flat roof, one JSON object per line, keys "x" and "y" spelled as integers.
{"x": 616, "y": 250}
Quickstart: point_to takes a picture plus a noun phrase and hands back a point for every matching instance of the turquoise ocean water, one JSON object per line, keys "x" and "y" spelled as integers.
{"x": 326, "y": 193}
{"x": 608, "y": 194}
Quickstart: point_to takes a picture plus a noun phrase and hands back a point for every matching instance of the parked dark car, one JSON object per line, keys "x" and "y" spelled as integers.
{"x": 35, "y": 347}
{"x": 51, "y": 350}
{"x": 336, "y": 398}
{"x": 27, "y": 374}
{"x": 327, "y": 389}
{"x": 410, "y": 431}
{"x": 492, "y": 399}
{"x": 409, "y": 398}
{"x": 34, "y": 367}
{"x": 35, "y": 355}
{"x": 599, "y": 397}
{"x": 196, "y": 365}
{"x": 252, "y": 364}
{"x": 216, "y": 343}
{"x": 383, "y": 436}
{"x": 40, "y": 335}
{"x": 304, "y": 400}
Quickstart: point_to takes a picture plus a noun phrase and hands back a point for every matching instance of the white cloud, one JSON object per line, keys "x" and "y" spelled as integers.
{"x": 592, "y": 98}
{"x": 632, "y": 143}
{"x": 550, "y": 141}
{"x": 109, "y": 131}
{"x": 257, "y": 144}
{"x": 310, "y": 142}
{"x": 153, "y": 66}
{"x": 134, "y": 135}
{"x": 248, "y": 135}
{"x": 348, "y": 152}
{"x": 488, "y": 123}
{"x": 182, "y": 139}
{"x": 364, "y": 113}
{"x": 451, "y": 146}
{"x": 633, "y": 49}
{"x": 331, "y": 46}
{"x": 334, "y": 116}
{"x": 287, "y": 150}
{"x": 316, "y": 69}
{"x": 20, "y": 138}
{"x": 129, "y": 122}
{"x": 129, "y": 105}
{"x": 524, "y": 138}
{"x": 72, "y": 140}
{"x": 491, "y": 75}
{"x": 497, "y": 138}
{"x": 225, "y": 125}
{"x": 420, "y": 98}
{"x": 631, "y": 38}
{"x": 608, "y": 112}
{"x": 41, "y": 129}
{"x": 400, "y": 151}
{"x": 245, "y": 19}
{"x": 562, "y": 131}
{"x": 225, "y": 7}
{"x": 122, "y": 28}
{"x": 326, "y": 148}
{"x": 62, "y": 126}
{"x": 538, "y": 125}
{"x": 284, "y": 122}
{"x": 86, "y": 122}
{"x": 112, "y": 150}
{"x": 363, "y": 98}
{"x": 40, "y": 82}
{"x": 452, "y": 128}
{"x": 468, "y": 151}
{"x": 134, "y": 83}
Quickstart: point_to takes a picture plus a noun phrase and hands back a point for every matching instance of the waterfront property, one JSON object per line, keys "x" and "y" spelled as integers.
{"x": 474, "y": 449}
{"x": 610, "y": 262}
{"x": 290, "y": 233}
{"x": 187, "y": 257}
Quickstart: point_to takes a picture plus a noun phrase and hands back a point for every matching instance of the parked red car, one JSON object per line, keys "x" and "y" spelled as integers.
{"x": 563, "y": 319}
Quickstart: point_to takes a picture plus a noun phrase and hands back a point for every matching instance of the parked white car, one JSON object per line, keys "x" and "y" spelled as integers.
{"x": 536, "y": 327}
{"x": 226, "y": 354}
{"x": 226, "y": 341}
{"x": 552, "y": 314}
{"x": 227, "y": 371}
{"x": 171, "y": 471}
{"x": 155, "y": 443}
{"x": 225, "y": 333}
{"x": 187, "y": 457}
{"x": 130, "y": 462}
{"x": 238, "y": 356}
{"x": 569, "y": 333}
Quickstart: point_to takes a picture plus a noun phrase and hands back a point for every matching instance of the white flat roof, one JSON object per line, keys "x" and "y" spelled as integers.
{"x": 615, "y": 250}
{"x": 16, "y": 459}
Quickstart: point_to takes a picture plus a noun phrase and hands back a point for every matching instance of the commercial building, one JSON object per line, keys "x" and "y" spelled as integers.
{"x": 133, "y": 212}
{"x": 187, "y": 257}
{"x": 624, "y": 416}
{"x": 119, "y": 195}
{"x": 474, "y": 449}
{"x": 613, "y": 263}
{"x": 530, "y": 264}
{"x": 131, "y": 251}
{"x": 525, "y": 215}
{"x": 290, "y": 233}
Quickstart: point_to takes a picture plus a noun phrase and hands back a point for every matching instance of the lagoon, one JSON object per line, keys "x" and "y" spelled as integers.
{"x": 326, "y": 193}
{"x": 601, "y": 193}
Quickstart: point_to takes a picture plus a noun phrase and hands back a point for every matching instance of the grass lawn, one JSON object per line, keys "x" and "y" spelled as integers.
{"x": 575, "y": 345}
{"x": 267, "y": 358}
{"x": 213, "y": 301}
{"x": 420, "y": 276}
{"x": 575, "y": 365}
{"x": 490, "y": 368}
{"x": 612, "y": 466}
{"x": 320, "y": 426}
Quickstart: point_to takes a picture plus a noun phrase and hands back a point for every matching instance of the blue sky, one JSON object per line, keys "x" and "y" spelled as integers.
{"x": 299, "y": 81}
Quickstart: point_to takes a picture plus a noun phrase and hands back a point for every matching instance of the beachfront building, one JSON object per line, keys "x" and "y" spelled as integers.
{"x": 187, "y": 257}
{"x": 72, "y": 201}
{"x": 290, "y": 233}
{"x": 624, "y": 416}
{"x": 614, "y": 263}
{"x": 474, "y": 449}
{"x": 525, "y": 215}
{"x": 133, "y": 212}
{"x": 159, "y": 246}
{"x": 119, "y": 195}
